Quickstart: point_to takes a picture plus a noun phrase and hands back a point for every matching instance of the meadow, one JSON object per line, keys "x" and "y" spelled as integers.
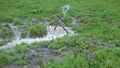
{"x": 96, "y": 45}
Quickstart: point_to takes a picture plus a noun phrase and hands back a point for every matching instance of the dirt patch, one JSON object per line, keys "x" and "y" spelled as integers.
{"x": 38, "y": 57}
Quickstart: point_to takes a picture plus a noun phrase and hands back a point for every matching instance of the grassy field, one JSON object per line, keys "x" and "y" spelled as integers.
{"x": 22, "y": 9}
{"x": 96, "y": 45}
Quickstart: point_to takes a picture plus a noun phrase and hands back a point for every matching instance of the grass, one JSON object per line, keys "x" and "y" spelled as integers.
{"x": 21, "y": 9}
{"x": 17, "y": 54}
{"x": 6, "y": 32}
{"x": 33, "y": 30}
{"x": 97, "y": 44}
{"x": 105, "y": 58}
{"x": 72, "y": 62}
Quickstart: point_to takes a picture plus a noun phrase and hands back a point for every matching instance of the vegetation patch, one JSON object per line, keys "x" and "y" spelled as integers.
{"x": 33, "y": 30}
{"x": 6, "y": 32}
{"x": 39, "y": 30}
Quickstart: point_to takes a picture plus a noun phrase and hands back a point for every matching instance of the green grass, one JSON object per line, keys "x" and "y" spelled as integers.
{"x": 17, "y": 54}
{"x": 69, "y": 62}
{"x": 21, "y": 9}
{"x": 6, "y": 32}
{"x": 33, "y": 30}
{"x": 104, "y": 58}
{"x": 97, "y": 43}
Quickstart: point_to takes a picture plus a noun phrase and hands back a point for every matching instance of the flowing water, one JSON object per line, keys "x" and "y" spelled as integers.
{"x": 17, "y": 33}
{"x": 51, "y": 35}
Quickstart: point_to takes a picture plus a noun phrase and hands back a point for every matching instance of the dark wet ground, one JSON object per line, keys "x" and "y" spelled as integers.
{"x": 38, "y": 57}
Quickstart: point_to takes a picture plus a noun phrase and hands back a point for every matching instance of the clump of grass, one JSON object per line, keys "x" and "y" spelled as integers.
{"x": 69, "y": 62}
{"x": 3, "y": 42}
{"x": 6, "y": 32}
{"x": 107, "y": 58}
{"x": 38, "y": 30}
{"x": 33, "y": 30}
{"x": 12, "y": 55}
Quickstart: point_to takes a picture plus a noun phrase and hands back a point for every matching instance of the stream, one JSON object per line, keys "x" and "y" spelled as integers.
{"x": 51, "y": 35}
